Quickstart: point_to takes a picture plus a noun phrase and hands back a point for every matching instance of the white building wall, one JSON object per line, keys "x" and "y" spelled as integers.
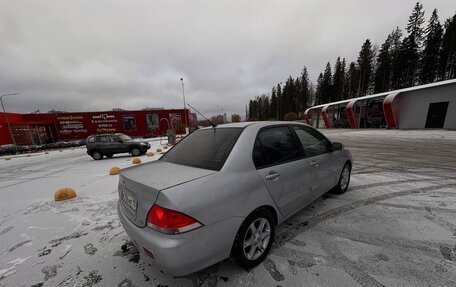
{"x": 414, "y": 106}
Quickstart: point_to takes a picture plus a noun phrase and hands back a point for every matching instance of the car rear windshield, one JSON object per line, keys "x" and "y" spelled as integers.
{"x": 208, "y": 148}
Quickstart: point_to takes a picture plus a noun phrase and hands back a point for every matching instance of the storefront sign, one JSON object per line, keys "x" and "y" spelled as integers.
{"x": 105, "y": 123}
{"x": 71, "y": 125}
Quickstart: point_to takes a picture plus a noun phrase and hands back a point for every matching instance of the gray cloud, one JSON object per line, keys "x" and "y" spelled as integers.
{"x": 97, "y": 55}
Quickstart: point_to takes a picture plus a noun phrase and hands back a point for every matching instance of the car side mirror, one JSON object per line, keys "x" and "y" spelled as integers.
{"x": 337, "y": 146}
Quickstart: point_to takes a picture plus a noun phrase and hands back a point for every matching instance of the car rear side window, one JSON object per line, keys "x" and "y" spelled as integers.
{"x": 312, "y": 141}
{"x": 259, "y": 158}
{"x": 208, "y": 148}
{"x": 274, "y": 146}
{"x": 102, "y": 139}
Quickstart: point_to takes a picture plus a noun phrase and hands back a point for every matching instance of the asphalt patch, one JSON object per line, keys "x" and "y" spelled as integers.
{"x": 447, "y": 252}
{"x": 58, "y": 241}
{"x": 89, "y": 249}
{"x": 16, "y": 246}
{"x": 272, "y": 269}
{"x": 6, "y": 230}
{"x": 50, "y": 271}
{"x": 92, "y": 279}
{"x": 126, "y": 283}
{"x": 44, "y": 252}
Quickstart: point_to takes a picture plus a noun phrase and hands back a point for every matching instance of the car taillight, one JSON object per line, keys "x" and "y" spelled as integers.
{"x": 170, "y": 221}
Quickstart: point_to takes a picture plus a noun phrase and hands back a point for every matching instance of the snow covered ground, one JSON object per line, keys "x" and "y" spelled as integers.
{"x": 396, "y": 226}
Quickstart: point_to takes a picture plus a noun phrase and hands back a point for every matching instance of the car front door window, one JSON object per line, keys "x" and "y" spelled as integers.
{"x": 312, "y": 142}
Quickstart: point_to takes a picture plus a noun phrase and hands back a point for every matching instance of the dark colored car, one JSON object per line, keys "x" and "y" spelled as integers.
{"x": 110, "y": 144}
{"x": 8, "y": 149}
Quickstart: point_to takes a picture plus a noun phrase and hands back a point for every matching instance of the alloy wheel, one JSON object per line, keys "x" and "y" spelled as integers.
{"x": 256, "y": 239}
{"x": 345, "y": 178}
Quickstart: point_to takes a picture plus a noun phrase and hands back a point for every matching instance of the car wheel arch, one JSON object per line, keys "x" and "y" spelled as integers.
{"x": 267, "y": 208}
{"x": 349, "y": 165}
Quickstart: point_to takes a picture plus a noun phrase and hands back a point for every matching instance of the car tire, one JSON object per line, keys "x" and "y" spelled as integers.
{"x": 97, "y": 155}
{"x": 135, "y": 151}
{"x": 254, "y": 239}
{"x": 109, "y": 155}
{"x": 344, "y": 179}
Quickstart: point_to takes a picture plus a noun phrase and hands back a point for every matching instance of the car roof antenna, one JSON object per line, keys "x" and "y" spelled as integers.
{"x": 212, "y": 124}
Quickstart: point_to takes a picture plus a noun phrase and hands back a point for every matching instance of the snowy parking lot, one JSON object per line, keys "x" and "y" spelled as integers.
{"x": 395, "y": 226}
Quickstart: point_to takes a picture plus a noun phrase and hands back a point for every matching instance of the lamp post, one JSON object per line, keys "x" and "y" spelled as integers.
{"x": 6, "y": 116}
{"x": 185, "y": 107}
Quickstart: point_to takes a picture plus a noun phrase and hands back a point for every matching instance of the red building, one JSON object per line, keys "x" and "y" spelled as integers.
{"x": 30, "y": 129}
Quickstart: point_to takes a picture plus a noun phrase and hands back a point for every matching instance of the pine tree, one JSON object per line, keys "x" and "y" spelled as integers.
{"x": 365, "y": 67}
{"x": 352, "y": 77}
{"x": 279, "y": 102}
{"x": 326, "y": 85}
{"x": 396, "y": 65}
{"x": 416, "y": 20}
{"x": 318, "y": 98}
{"x": 447, "y": 65}
{"x": 409, "y": 53}
{"x": 289, "y": 96}
{"x": 304, "y": 91}
{"x": 338, "y": 79}
{"x": 251, "y": 109}
{"x": 384, "y": 64}
{"x": 263, "y": 107}
{"x": 274, "y": 106}
{"x": 297, "y": 95}
{"x": 311, "y": 97}
{"x": 429, "y": 63}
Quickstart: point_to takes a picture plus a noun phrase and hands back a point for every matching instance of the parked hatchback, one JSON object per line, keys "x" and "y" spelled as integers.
{"x": 110, "y": 144}
{"x": 221, "y": 191}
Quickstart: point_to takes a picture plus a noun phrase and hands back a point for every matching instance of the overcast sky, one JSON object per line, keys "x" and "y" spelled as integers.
{"x": 98, "y": 55}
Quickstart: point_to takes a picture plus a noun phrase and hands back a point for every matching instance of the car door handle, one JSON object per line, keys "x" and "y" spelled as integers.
{"x": 272, "y": 176}
{"x": 314, "y": 163}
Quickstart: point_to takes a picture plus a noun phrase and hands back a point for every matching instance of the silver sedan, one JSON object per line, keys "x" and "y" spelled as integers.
{"x": 221, "y": 191}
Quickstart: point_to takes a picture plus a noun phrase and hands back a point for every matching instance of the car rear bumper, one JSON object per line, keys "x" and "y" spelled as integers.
{"x": 185, "y": 253}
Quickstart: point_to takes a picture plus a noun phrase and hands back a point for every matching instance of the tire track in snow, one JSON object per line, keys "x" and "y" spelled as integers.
{"x": 298, "y": 228}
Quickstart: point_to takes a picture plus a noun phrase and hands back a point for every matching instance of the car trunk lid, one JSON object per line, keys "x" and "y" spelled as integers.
{"x": 140, "y": 186}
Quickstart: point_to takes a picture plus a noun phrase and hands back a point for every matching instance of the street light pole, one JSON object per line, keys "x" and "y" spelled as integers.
{"x": 6, "y": 117}
{"x": 185, "y": 107}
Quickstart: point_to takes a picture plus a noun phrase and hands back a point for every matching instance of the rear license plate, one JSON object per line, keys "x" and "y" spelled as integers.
{"x": 129, "y": 200}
